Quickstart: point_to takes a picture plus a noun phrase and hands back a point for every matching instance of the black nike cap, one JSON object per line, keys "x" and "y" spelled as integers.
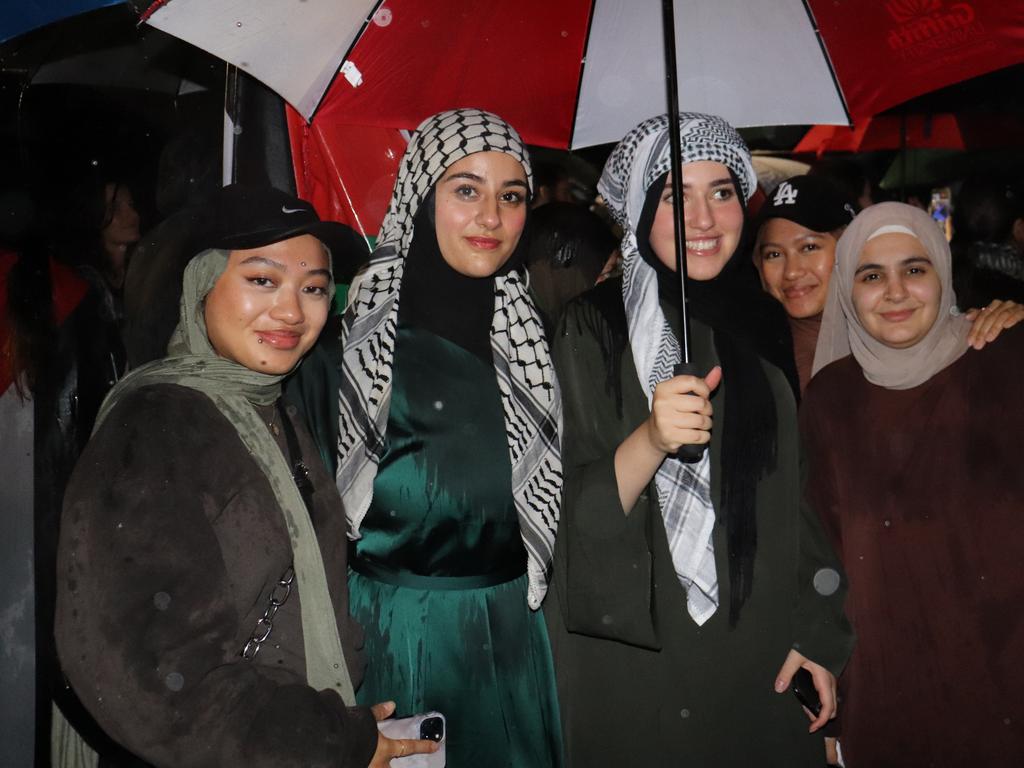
{"x": 243, "y": 216}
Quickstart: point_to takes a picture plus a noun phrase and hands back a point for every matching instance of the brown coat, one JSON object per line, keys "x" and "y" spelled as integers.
{"x": 171, "y": 543}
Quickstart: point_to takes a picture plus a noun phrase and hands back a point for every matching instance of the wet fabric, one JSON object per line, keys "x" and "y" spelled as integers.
{"x": 439, "y": 574}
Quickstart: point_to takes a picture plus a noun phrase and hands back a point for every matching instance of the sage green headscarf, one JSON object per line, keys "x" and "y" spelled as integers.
{"x": 234, "y": 389}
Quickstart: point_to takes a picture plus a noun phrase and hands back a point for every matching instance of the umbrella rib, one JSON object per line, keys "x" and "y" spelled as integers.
{"x": 325, "y": 146}
{"x": 355, "y": 42}
{"x": 828, "y": 59}
{"x": 583, "y": 65}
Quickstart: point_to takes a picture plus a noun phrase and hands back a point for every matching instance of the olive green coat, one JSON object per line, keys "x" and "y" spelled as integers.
{"x": 639, "y": 682}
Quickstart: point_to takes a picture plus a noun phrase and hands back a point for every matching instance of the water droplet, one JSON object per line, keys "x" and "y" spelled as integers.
{"x": 238, "y": 24}
{"x": 175, "y": 681}
{"x": 826, "y": 581}
{"x": 684, "y": 713}
{"x": 161, "y": 600}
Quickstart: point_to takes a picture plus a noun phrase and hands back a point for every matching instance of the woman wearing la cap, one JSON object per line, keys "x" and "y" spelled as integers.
{"x": 914, "y": 451}
{"x": 687, "y": 595}
{"x": 449, "y": 463}
{"x": 797, "y": 230}
{"x": 202, "y": 616}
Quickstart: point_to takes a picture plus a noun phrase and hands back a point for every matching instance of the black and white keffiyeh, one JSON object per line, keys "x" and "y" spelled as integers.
{"x": 526, "y": 378}
{"x": 684, "y": 490}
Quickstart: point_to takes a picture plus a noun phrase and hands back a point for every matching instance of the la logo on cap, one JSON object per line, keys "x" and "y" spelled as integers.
{"x": 785, "y": 194}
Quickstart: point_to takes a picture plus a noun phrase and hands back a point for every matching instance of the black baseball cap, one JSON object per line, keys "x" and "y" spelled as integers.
{"x": 814, "y": 202}
{"x": 243, "y": 216}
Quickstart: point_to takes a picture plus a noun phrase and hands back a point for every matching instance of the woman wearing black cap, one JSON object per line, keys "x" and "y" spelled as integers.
{"x": 797, "y": 231}
{"x": 202, "y": 615}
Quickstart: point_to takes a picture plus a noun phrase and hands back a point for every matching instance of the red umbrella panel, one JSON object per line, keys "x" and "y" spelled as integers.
{"x": 938, "y": 131}
{"x": 346, "y": 171}
{"x": 885, "y": 52}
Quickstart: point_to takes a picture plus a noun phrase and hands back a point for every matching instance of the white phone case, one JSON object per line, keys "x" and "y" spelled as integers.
{"x": 409, "y": 728}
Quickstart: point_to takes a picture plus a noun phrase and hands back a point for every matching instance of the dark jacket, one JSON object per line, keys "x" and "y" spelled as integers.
{"x": 639, "y": 682}
{"x": 171, "y": 544}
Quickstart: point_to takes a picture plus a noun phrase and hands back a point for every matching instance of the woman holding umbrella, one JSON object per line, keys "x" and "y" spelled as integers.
{"x": 449, "y": 461}
{"x": 688, "y": 594}
{"x": 920, "y": 488}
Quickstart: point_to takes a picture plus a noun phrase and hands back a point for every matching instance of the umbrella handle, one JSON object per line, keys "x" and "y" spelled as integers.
{"x": 688, "y": 453}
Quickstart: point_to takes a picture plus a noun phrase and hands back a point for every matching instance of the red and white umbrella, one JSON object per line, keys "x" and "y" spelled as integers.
{"x": 577, "y": 72}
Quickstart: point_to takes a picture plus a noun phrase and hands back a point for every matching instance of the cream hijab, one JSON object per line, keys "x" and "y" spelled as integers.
{"x": 841, "y": 330}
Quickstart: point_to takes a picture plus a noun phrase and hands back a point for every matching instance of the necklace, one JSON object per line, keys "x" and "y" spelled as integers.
{"x": 271, "y": 422}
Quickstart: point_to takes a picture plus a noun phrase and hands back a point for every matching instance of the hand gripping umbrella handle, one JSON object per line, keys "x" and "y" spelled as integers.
{"x": 688, "y": 453}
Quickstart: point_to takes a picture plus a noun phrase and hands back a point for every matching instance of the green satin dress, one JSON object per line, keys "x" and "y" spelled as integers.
{"x": 438, "y": 578}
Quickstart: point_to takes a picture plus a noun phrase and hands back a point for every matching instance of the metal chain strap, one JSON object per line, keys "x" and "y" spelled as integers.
{"x": 265, "y": 625}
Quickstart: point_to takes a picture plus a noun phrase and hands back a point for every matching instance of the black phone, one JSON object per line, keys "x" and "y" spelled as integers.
{"x": 432, "y": 728}
{"x": 803, "y": 688}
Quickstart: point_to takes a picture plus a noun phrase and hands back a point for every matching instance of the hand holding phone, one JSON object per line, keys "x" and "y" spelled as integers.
{"x": 803, "y": 688}
{"x": 430, "y": 726}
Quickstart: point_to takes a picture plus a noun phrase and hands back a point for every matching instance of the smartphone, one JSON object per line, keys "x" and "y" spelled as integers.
{"x": 429, "y": 725}
{"x": 803, "y": 688}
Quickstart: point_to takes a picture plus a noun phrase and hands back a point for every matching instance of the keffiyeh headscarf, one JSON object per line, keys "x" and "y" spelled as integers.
{"x": 684, "y": 490}
{"x": 842, "y": 331}
{"x": 526, "y": 379}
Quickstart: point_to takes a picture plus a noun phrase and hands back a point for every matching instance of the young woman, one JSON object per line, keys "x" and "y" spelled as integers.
{"x": 688, "y": 594}
{"x": 797, "y": 231}
{"x": 448, "y": 452}
{"x": 913, "y": 439}
{"x": 202, "y": 616}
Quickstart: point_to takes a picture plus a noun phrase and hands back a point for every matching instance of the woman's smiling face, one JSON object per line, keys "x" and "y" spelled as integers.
{"x": 712, "y": 215}
{"x": 480, "y": 212}
{"x": 795, "y": 264}
{"x": 896, "y": 290}
{"x": 268, "y": 307}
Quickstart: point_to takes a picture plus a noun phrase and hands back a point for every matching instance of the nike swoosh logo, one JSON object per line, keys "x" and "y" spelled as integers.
{"x": 292, "y": 210}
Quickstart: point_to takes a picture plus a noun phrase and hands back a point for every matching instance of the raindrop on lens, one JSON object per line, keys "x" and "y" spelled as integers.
{"x": 826, "y": 581}
{"x": 175, "y": 681}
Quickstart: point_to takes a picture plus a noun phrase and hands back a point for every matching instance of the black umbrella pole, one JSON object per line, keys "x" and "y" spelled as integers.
{"x": 675, "y": 141}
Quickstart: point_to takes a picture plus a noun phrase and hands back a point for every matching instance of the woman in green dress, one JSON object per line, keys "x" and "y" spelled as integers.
{"x": 448, "y": 460}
